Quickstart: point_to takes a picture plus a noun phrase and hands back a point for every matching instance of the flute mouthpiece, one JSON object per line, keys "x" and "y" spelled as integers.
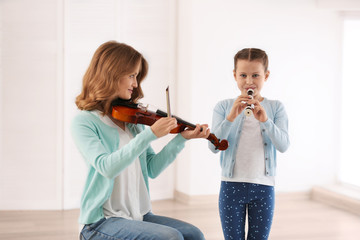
{"x": 250, "y": 92}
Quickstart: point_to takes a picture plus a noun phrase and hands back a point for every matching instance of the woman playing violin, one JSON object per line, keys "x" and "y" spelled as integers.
{"x": 115, "y": 203}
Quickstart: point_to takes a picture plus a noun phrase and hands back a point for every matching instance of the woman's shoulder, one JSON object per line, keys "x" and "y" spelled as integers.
{"x": 85, "y": 118}
{"x": 84, "y": 114}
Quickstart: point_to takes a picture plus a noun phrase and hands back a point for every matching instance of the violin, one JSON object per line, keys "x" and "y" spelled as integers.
{"x": 135, "y": 113}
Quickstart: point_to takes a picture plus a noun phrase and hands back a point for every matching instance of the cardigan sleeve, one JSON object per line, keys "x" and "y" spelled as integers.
{"x": 99, "y": 154}
{"x": 220, "y": 125}
{"x": 277, "y": 129}
{"x": 156, "y": 163}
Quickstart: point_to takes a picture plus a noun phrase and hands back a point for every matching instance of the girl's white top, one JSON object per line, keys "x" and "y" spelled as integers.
{"x": 250, "y": 158}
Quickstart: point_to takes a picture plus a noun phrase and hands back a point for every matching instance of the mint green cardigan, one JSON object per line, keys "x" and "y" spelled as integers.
{"x": 99, "y": 145}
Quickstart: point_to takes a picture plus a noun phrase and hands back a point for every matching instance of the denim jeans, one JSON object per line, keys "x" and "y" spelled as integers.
{"x": 238, "y": 197}
{"x": 152, "y": 227}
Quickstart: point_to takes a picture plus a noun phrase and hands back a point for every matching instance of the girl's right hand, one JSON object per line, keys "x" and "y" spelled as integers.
{"x": 163, "y": 126}
{"x": 238, "y": 106}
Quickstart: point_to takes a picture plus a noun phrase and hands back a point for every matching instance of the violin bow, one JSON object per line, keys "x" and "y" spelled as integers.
{"x": 168, "y": 102}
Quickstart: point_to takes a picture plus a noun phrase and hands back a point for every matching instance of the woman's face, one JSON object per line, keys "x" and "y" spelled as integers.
{"x": 250, "y": 74}
{"x": 128, "y": 83}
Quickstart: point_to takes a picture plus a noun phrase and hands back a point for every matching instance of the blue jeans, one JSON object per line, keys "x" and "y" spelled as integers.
{"x": 237, "y": 197}
{"x": 152, "y": 227}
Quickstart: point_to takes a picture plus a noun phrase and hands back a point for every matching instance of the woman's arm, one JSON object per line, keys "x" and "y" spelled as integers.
{"x": 156, "y": 163}
{"x": 99, "y": 155}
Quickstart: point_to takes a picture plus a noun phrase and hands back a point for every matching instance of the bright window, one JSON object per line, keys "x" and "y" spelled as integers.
{"x": 350, "y": 111}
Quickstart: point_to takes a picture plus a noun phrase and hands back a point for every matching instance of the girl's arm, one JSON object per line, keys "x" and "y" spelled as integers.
{"x": 277, "y": 129}
{"x": 99, "y": 156}
{"x": 220, "y": 125}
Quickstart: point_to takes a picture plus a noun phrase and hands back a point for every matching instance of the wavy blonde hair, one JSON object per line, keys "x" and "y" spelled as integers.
{"x": 111, "y": 62}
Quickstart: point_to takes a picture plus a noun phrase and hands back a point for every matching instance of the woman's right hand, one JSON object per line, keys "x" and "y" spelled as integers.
{"x": 238, "y": 106}
{"x": 163, "y": 126}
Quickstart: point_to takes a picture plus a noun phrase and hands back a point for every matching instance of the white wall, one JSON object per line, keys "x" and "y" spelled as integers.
{"x": 350, "y": 160}
{"x": 190, "y": 46}
{"x": 30, "y": 172}
{"x": 1, "y": 90}
{"x": 303, "y": 43}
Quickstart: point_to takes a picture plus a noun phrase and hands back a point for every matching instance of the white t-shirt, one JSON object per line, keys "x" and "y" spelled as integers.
{"x": 130, "y": 198}
{"x": 250, "y": 158}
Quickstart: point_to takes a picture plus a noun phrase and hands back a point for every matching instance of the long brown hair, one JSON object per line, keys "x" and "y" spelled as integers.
{"x": 111, "y": 62}
{"x": 252, "y": 54}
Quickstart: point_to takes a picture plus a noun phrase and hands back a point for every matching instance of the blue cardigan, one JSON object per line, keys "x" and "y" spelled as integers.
{"x": 99, "y": 145}
{"x": 274, "y": 133}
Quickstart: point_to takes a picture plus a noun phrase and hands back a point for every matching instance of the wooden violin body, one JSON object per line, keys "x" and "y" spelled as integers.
{"x": 137, "y": 114}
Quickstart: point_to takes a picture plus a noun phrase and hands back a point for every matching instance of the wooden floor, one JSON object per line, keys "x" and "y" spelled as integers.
{"x": 295, "y": 219}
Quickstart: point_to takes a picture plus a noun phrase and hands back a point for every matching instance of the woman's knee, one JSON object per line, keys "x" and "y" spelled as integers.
{"x": 169, "y": 234}
{"x": 193, "y": 233}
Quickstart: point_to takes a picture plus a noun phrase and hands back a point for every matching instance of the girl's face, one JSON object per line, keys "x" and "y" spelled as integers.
{"x": 250, "y": 74}
{"x": 128, "y": 83}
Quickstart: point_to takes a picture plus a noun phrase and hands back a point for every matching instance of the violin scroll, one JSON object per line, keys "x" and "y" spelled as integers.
{"x": 219, "y": 144}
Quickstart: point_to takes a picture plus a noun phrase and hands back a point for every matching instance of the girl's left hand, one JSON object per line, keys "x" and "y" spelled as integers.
{"x": 259, "y": 111}
{"x": 196, "y": 133}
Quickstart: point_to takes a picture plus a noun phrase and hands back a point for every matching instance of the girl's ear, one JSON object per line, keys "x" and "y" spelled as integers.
{"x": 267, "y": 75}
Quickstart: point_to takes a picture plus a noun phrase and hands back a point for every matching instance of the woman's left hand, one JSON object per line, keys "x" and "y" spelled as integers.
{"x": 259, "y": 111}
{"x": 197, "y": 132}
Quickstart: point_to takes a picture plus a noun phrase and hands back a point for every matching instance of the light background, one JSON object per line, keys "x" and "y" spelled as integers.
{"x": 46, "y": 46}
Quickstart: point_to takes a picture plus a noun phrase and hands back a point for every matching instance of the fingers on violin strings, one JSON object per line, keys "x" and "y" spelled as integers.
{"x": 173, "y": 125}
{"x": 205, "y": 131}
{"x": 171, "y": 121}
{"x": 204, "y": 128}
{"x": 197, "y": 129}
